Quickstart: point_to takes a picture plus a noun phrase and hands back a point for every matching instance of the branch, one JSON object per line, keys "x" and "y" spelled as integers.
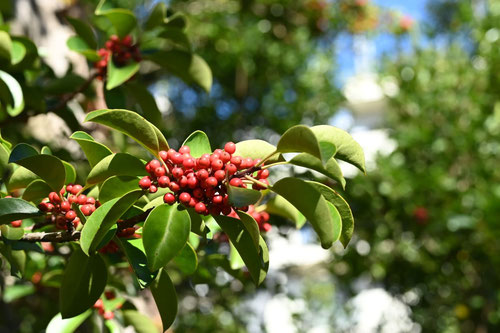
{"x": 72, "y": 95}
{"x": 68, "y": 236}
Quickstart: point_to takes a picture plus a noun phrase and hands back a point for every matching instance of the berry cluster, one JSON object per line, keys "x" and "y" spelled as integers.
{"x": 121, "y": 52}
{"x": 99, "y": 305}
{"x": 201, "y": 183}
{"x": 59, "y": 205}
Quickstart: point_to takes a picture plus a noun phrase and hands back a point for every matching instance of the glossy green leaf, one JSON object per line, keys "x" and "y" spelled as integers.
{"x": 343, "y": 208}
{"x": 164, "y": 234}
{"x": 57, "y": 324}
{"x": 11, "y": 233}
{"x": 312, "y": 204}
{"x": 157, "y": 16}
{"x": 103, "y": 218}
{"x": 187, "y": 260}
{"x": 118, "y": 75}
{"x": 140, "y": 322}
{"x": 117, "y": 186}
{"x": 198, "y": 143}
{"x": 235, "y": 260}
{"x": 165, "y": 298}
{"x": 176, "y": 36}
{"x": 197, "y": 224}
{"x": 300, "y": 139}
{"x": 189, "y": 67}
{"x": 36, "y": 190}
{"x": 18, "y": 52}
{"x": 84, "y": 31}
{"x": 47, "y": 167}
{"x": 131, "y": 124}
{"x": 46, "y": 150}
{"x": 280, "y": 206}
{"x": 94, "y": 151}
{"x": 4, "y": 158}
{"x": 146, "y": 102}
{"x": 241, "y": 197}
{"x": 5, "y": 45}
{"x": 17, "y": 291}
{"x": 251, "y": 226}
{"x": 83, "y": 282}
{"x": 257, "y": 149}
{"x": 16, "y": 259}
{"x": 120, "y": 164}
{"x": 347, "y": 148}
{"x": 12, "y": 209}
{"x": 256, "y": 260}
{"x": 134, "y": 251}
{"x": 21, "y": 177}
{"x": 70, "y": 173}
{"x": 16, "y": 94}
{"x": 123, "y": 20}
{"x": 77, "y": 44}
{"x": 330, "y": 169}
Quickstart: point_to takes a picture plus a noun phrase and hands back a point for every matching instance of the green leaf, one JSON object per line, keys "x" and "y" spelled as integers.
{"x": 133, "y": 125}
{"x": 312, "y": 204}
{"x": 241, "y": 197}
{"x": 189, "y": 67}
{"x": 18, "y": 291}
{"x": 16, "y": 105}
{"x": 5, "y": 45}
{"x": 77, "y": 44}
{"x": 164, "y": 234}
{"x": 347, "y": 148}
{"x": 140, "y": 322}
{"x": 36, "y": 190}
{"x": 18, "y": 52}
{"x": 57, "y": 324}
{"x": 343, "y": 209}
{"x": 117, "y": 186}
{"x": 70, "y": 173}
{"x": 280, "y": 206}
{"x": 83, "y": 282}
{"x": 123, "y": 20}
{"x": 251, "y": 226}
{"x": 187, "y": 260}
{"x": 166, "y": 298}
{"x": 257, "y": 149}
{"x": 4, "y": 159}
{"x": 235, "y": 260}
{"x": 47, "y": 167}
{"x": 157, "y": 16}
{"x": 330, "y": 169}
{"x": 104, "y": 218}
{"x": 94, "y": 151}
{"x": 12, "y": 209}
{"x": 84, "y": 31}
{"x": 146, "y": 102}
{"x": 118, "y": 75}
{"x": 134, "y": 251}
{"x": 256, "y": 260}
{"x": 16, "y": 259}
{"x": 198, "y": 143}
{"x": 197, "y": 224}
{"x": 120, "y": 164}
{"x": 21, "y": 177}
{"x": 300, "y": 139}
{"x": 11, "y": 233}
{"x": 176, "y": 36}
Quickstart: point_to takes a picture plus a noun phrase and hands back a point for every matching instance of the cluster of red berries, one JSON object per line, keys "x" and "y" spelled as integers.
{"x": 99, "y": 305}
{"x": 201, "y": 183}
{"x": 59, "y": 205}
{"x": 121, "y": 51}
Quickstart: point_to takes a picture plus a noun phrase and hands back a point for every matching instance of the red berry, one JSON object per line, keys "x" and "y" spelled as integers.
{"x": 86, "y": 210}
{"x": 177, "y": 172}
{"x": 69, "y": 187}
{"x": 230, "y": 147}
{"x": 70, "y": 215}
{"x": 177, "y": 158}
{"x": 214, "y": 156}
{"x": 189, "y": 163}
{"x": 225, "y": 157}
{"x": 218, "y": 151}
{"x": 266, "y": 227}
{"x": 236, "y": 160}
{"x": 217, "y": 164}
{"x": 202, "y": 174}
{"x": 81, "y": 199}
{"x": 192, "y": 202}
{"x": 249, "y": 162}
{"x": 236, "y": 182}
{"x": 65, "y": 206}
{"x": 153, "y": 189}
{"x": 220, "y": 175}
{"x": 174, "y": 186}
{"x": 200, "y": 208}
{"x": 54, "y": 198}
{"x": 231, "y": 169}
{"x": 184, "y": 197}
{"x": 160, "y": 171}
{"x": 192, "y": 182}
{"x": 169, "y": 198}
{"x": 76, "y": 188}
{"x": 183, "y": 182}
{"x": 153, "y": 164}
{"x": 184, "y": 150}
{"x": 108, "y": 315}
{"x": 145, "y": 182}
{"x": 204, "y": 162}
{"x": 211, "y": 181}
{"x": 98, "y": 304}
{"x": 72, "y": 199}
{"x": 198, "y": 193}
{"x": 90, "y": 200}
{"x": 163, "y": 181}
{"x": 16, "y": 224}
{"x": 263, "y": 173}
{"x": 217, "y": 199}
{"x": 226, "y": 210}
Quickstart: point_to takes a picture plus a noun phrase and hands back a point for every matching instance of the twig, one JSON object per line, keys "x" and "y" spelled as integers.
{"x": 62, "y": 103}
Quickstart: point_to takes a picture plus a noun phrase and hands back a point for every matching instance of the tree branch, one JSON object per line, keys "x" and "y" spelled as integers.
{"x": 72, "y": 95}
